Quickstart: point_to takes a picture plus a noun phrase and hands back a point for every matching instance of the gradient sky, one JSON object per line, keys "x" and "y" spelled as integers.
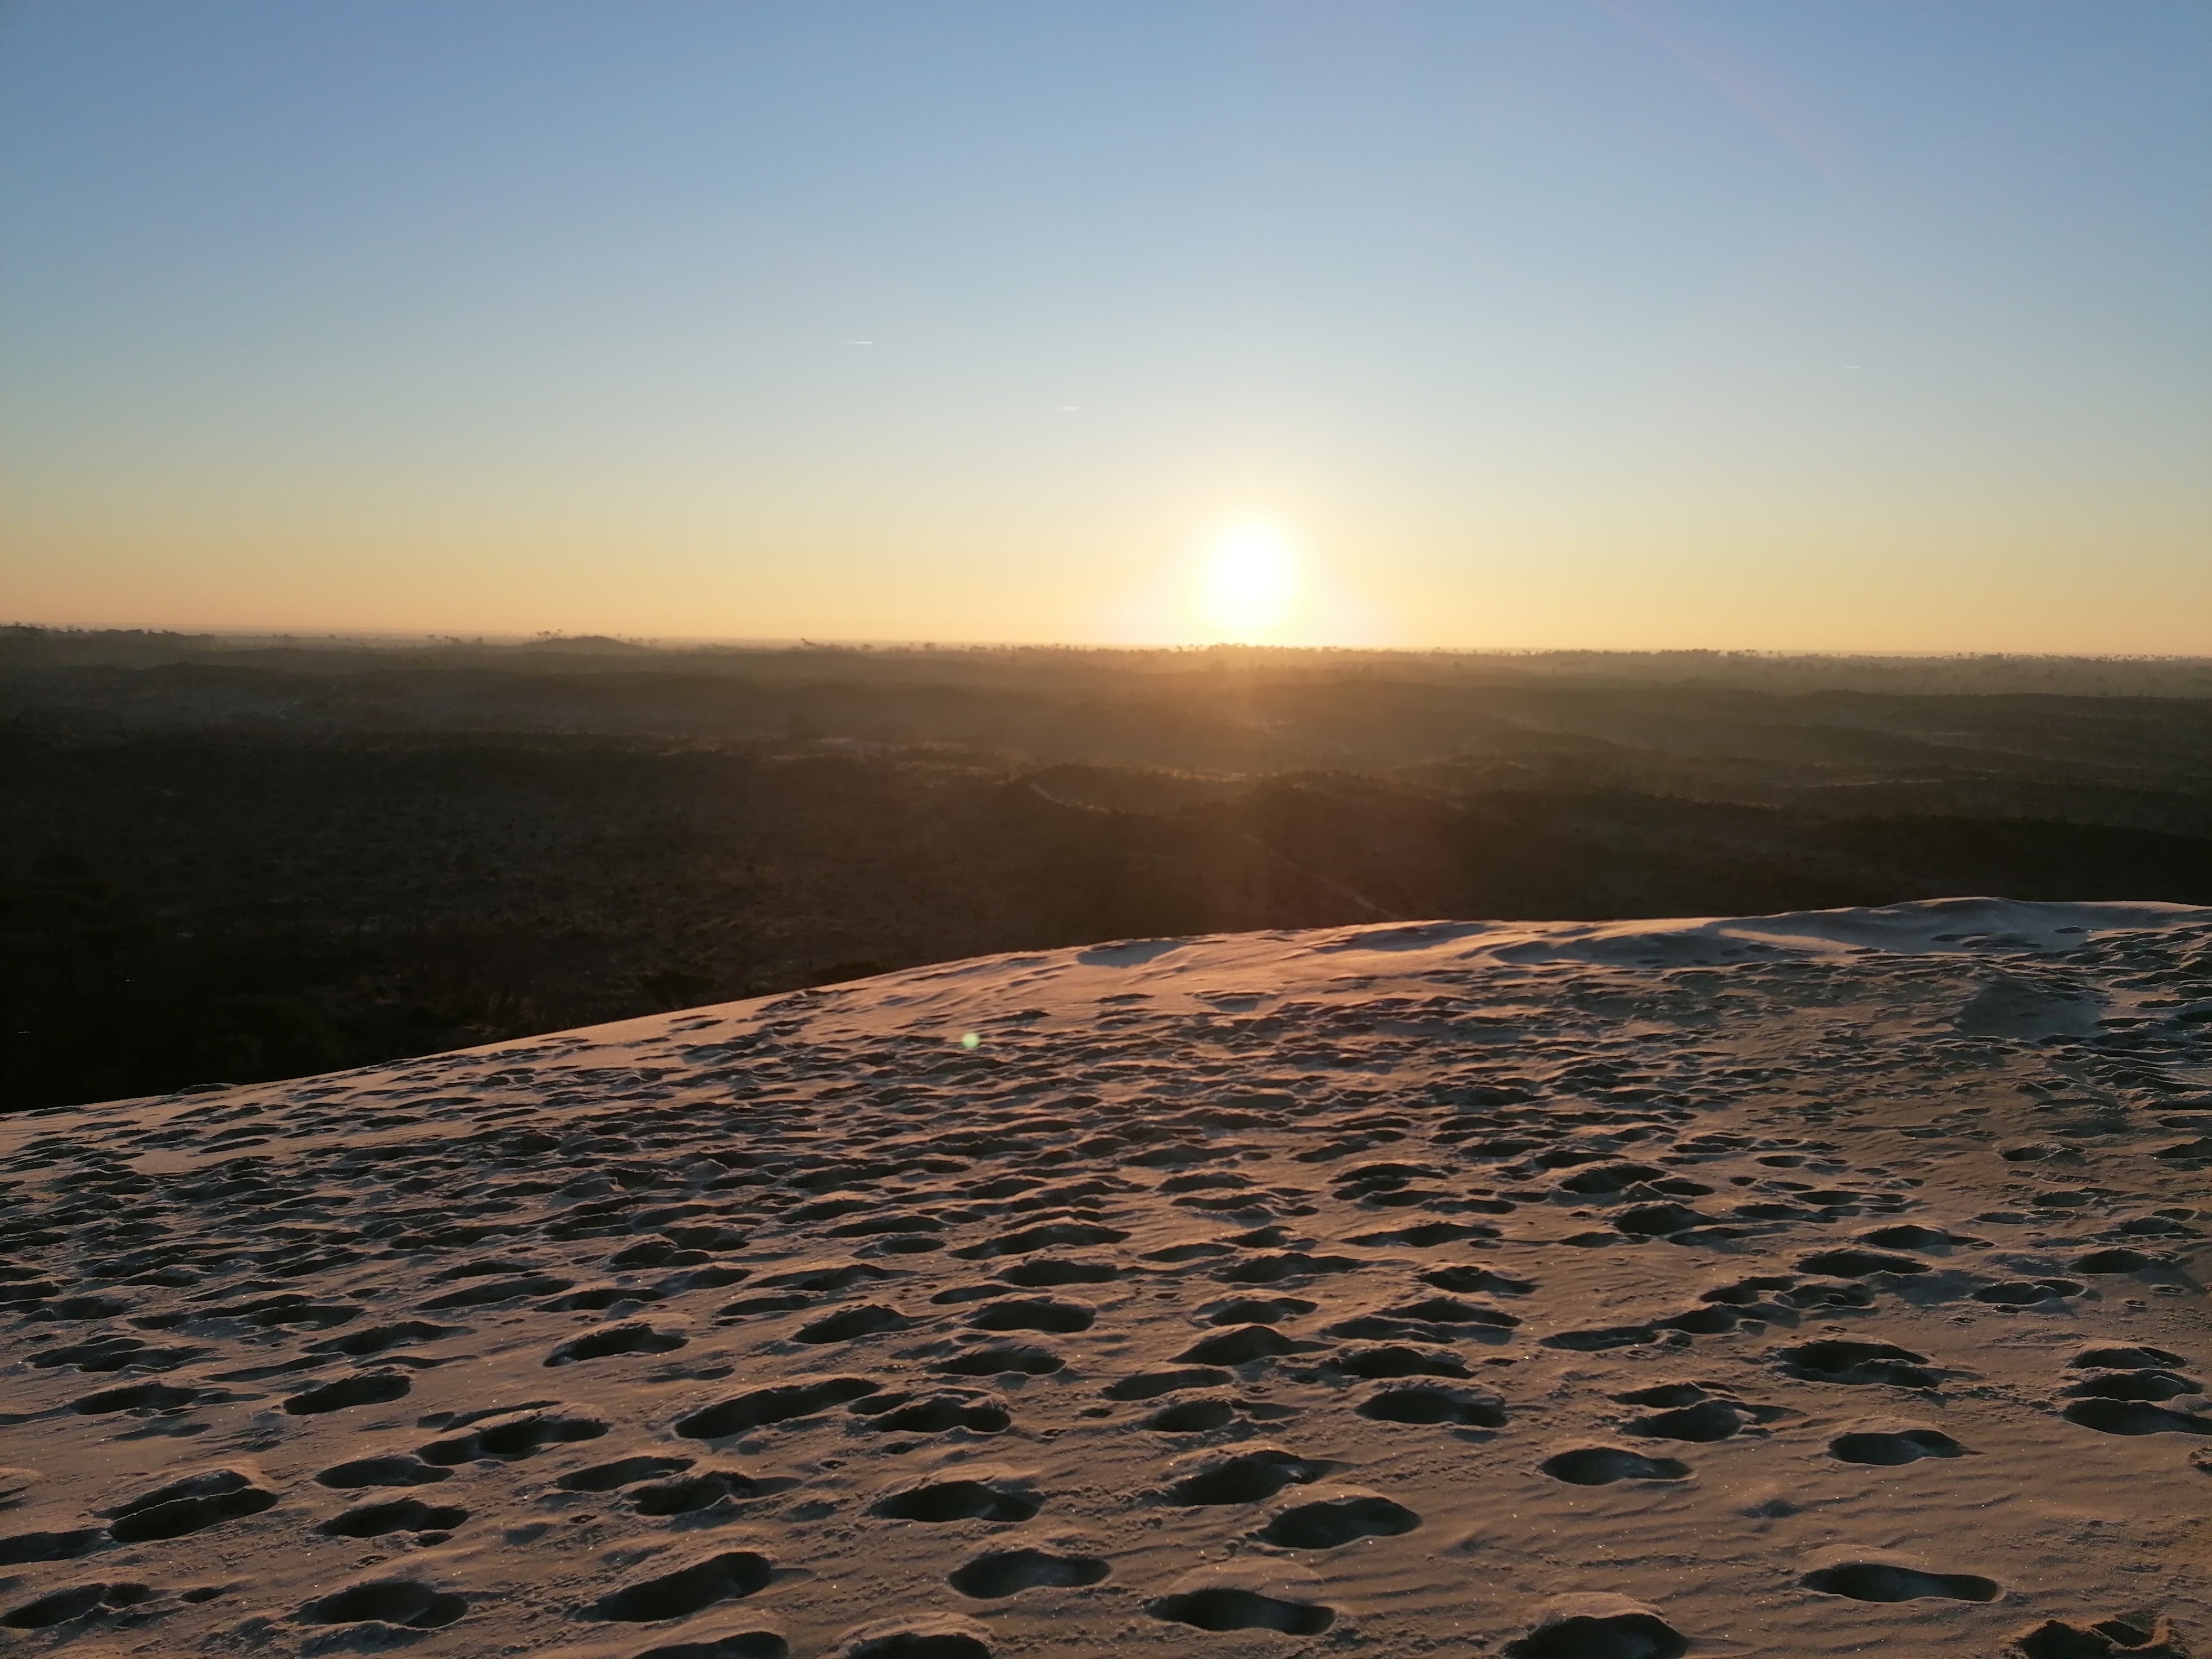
{"x": 1832, "y": 325}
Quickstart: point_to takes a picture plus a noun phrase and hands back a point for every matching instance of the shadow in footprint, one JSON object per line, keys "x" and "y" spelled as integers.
{"x": 77, "y": 1601}
{"x": 1608, "y": 1636}
{"x": 615, "y": 1340}
{"x": 1247, "y": 1478}
{"x": 933, "y": 1413}
{"x": 2123, "y": 1359}
{"x": 1859, "y": 1264}
{"x": 2026, "y": 1293}
{"x": 1035, "y": 1314}
{"x": 484, "y": 1296}
{"x": 1287, "y": 1264}
{"x": 1597, "y": 1338}
{"x": 1450, "y": 1310}
{"x": 403, "y": 1602}
{"x": 596, "y": 1298}
{"x": 1868, "y": 1580}
{"x": 865, "y": 1320}
{"x": 1047, "y": 1271}
{"x": 1881, "y": 1449}
{"x": 623, "y": 1472}
{"x": 400, "y": 1515}
{"x": 1241, "y": 1609}
{"x": 1330, "y": 1522}
{"x": 956, "y": 1295}
{"x": 1391, "y": 1359}
{"x": 1909, "y": 1237}
{"x": 2116, "y": 1261}
{"x": 1476, "y": 1281}
{"x": 190, "y": 1505}
{"x": 377, "y": 1338}
{"x": 1422, "y": 1402}
{"x": 1191, "y": 1416}
{"x": 26, "y": 1547}
{"x": 998, "y": 1359}
{"x": 777, "y": 1404}
{"x": 1602, "y": 1466}
{"x": 401, "y": 1471}
{"x": 1150, "y": 1385}
{"x": 918, "y": 1645}
{"x": 1007, "y": 1572}
{"x": 1838, "y": 1360}
{"x": 136, "y": 1398}
{"x": 2054, "y": 1639}
{"x": 2133, "y": 1417}
{"x": 1702, "y": 1424}
{"x": 774, "y": 1302}
{"x": 1241, "y": 1344}
{"x": 746, "y": 1644}
{"x": 693, "y": 1493}
{"x": 957, "y": 1500}
{"x": 366, "y": 1388}
{"x": 520, "y": 1433}
{"x": 2133, "y": 1385}
{"x": 1258, "y": 1310}
{"x": 678, "y": 1595}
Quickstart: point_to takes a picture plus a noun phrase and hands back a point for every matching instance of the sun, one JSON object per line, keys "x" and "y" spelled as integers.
{"x": 1247, "y": 582}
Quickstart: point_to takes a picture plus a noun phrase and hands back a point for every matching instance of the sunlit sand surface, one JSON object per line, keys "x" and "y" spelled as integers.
{"x": 1808, "y": 1285}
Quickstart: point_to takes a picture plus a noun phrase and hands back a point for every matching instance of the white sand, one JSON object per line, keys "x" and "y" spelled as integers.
{"x": 1796, "y": 1285}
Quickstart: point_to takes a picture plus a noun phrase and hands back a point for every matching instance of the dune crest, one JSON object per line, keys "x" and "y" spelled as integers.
{"x": 1796, "y": 1284}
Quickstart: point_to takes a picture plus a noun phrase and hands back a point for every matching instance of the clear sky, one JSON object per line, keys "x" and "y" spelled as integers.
{"x": 1796, "y": 323}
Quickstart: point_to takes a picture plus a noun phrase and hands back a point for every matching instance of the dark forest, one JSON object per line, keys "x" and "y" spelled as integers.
{"x": 226, "y": 861}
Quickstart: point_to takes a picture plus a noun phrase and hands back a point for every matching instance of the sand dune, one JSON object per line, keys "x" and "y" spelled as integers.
{"x": 1803, "y": 1285}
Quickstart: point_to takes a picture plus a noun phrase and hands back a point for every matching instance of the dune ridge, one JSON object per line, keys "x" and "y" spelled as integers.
{"x": 1796, "y": 1284}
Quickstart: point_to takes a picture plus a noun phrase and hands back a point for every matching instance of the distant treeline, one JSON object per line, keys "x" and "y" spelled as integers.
{"x": 1040, "y": 668}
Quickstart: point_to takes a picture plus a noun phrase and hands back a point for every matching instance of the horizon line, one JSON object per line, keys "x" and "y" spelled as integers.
{"x": 393, "y": 637}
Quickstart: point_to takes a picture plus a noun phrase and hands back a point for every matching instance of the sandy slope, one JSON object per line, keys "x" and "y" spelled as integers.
{"x": 1802, "y": 1285}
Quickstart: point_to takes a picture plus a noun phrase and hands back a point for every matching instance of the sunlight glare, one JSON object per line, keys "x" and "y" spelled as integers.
{"x": 1247, "y": 582}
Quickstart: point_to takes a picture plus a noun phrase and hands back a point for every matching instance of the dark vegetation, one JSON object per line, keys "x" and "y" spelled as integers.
{"x": 225, "y": 861}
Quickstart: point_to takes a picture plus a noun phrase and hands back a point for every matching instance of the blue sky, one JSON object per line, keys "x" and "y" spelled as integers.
{"x": 1830, "y": 324}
